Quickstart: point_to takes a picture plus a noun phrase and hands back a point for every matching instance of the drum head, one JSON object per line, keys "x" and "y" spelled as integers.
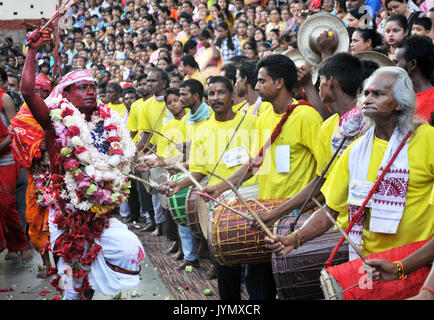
{"x": 203, "y": 211}
{"x": 177, "y": 202}
{"x": 330, "y": 287}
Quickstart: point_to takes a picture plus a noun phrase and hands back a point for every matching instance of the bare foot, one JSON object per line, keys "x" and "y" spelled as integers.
{"x": 12, "y": 256}
{"x": 26, "y": 256}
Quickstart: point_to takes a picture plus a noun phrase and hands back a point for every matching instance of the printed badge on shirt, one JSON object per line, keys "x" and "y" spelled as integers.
{"x": 358, "y": 192}
{"x": 235, "y": 157}
{"x": 283, "y": 153}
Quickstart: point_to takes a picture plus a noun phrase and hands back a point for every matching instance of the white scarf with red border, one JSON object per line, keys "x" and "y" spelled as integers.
{"x": 388, "y": 201}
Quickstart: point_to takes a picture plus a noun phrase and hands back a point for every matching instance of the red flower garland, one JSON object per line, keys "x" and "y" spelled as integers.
{"x": 77, "y": 243}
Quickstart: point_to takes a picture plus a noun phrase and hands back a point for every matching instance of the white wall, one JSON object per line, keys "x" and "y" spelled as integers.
{"x": 27, "y": 9}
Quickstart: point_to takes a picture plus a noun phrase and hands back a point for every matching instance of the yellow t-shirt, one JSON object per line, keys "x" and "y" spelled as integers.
{"x": 153, "y": 116}
{"x": 262, "y": 107}
{"x": 119, "y": 108}
{"x": 329, "y": 141}
{"x": 210, "y": 142}
{"x": 290, "y": 162}
{"x": 174, "y": 130}
{"x": 190, "y": 129}
{"x": 197, "y": 76}
{"x": 417, "y": 222}
{"x": 134, "y": 119}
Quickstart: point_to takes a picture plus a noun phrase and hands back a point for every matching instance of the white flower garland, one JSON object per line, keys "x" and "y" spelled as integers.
{"x": 96, "y": 156}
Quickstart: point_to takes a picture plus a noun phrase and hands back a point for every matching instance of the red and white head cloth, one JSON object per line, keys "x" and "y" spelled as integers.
{"x": 69, "y": 79}
{"x": 43, "y": 82}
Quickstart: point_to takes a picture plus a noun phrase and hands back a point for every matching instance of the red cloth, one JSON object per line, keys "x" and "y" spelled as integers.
{"x": 425, "y": 103}
{"x": 351, "y": 273}
{"x": 4, "y": 132}
{"x": 26, "y": 135}
{"x": 12, "y": 232}
{"x": 43, "y": 82}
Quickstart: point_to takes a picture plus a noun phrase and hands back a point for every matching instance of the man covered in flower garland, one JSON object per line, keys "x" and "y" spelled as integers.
{"x": 89, "y": 153}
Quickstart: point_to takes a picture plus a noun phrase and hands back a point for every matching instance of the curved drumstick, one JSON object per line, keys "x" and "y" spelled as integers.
{"x": 162, "y": 135}
{"x": 358, "y": 251}
{"x": 206, "y": 195}
{"x": 189, "y": 175}
{"x": 253, "y": 213}
{"x": 149, "y": 183}
{"x": 259, "y": 204}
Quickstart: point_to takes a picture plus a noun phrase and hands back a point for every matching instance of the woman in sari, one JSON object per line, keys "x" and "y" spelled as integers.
{"x": 210, "y": 59}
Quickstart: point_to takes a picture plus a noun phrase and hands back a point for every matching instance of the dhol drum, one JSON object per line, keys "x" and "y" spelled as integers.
{"x": 232, "y": 241}
{"x": 158, "y": 175}
{"x": 297, "y": 273}
{"x": 199, "y": 211}
{"x": 177, "y": 202}
{"x": 348, "y": 281}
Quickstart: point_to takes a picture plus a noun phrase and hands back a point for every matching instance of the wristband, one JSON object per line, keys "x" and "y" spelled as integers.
{"x": 297, "y": 239}
{"x": 400, "y": 267}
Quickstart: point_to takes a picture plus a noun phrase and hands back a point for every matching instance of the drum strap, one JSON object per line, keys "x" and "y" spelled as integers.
{"x": 302, "y": 209}
{"x": 362, "y": 208}
{"x": 258, "y": 160}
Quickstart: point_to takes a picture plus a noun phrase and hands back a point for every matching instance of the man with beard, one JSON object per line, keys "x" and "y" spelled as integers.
{"x": 393, "y": 140}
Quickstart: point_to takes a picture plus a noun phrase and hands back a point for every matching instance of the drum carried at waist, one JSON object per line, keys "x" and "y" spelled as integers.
{"x": 232, "y": 241}
{"x": 178, "y": 202}
{"x": 348, "y": 281}
{"x": 199, "y": 211}
{"x": 297, "y": 273}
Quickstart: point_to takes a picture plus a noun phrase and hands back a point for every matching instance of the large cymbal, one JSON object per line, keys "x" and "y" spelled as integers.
{"x": 299, "y": 60}
{"x": 381, "y": 59}
{"x": 310, "y": 30}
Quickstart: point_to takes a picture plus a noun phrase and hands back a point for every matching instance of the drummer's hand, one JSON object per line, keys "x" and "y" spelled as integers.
{"x": 142, "y": 166}
{"x": 304, "y": 76}
{"x": 169, "y": 188}
{"x": 382, "y": 269}
{"x": 266, "y": 217}
{"x": 280, "y": 245}
{"x": 327, "y": 43}
{"x": 35, "y": 39}
{"x": 213, "y": 191}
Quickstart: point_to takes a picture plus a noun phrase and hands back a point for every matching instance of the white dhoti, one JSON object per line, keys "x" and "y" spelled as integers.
{"x": 120, "y": 248}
